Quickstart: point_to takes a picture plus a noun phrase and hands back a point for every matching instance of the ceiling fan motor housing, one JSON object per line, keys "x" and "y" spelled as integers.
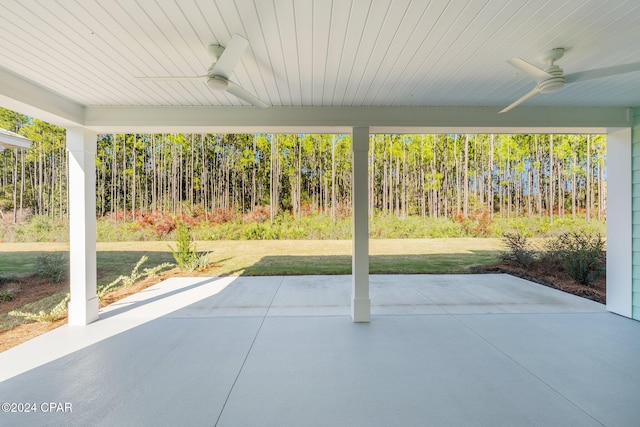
{"x": 218, "y": 83}
{"x": 552, "y": 84}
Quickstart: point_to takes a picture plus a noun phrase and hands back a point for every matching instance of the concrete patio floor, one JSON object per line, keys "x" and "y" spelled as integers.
{"x": 441, "y": 350}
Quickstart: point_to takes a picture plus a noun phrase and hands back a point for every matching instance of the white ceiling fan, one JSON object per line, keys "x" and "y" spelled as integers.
{"x": 217, "y": 77}
{"x": 552, "y": 78}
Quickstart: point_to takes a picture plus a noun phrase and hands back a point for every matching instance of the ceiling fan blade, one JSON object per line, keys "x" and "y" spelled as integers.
{"x": 183, "y": 78}
{"x": 601, "y": 72}
{"x": 531, "y": 70}
{"x": 529, "y": 94}
{"x": 239, "y": 92}
{"x": 230, "y": 56}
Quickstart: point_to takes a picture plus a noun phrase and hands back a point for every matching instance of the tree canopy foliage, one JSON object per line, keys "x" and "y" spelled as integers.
{"x": 432, "y": 175}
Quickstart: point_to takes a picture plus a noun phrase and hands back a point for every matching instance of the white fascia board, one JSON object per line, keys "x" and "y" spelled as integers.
{"x": 10, "y": 139}
{"x": 343, "y": 119}
{"x": 28, "y": 98}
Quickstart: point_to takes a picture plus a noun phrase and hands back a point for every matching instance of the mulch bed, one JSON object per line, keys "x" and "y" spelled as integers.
{"x": 30, "y": 289}
{"x": 553, "y": 279}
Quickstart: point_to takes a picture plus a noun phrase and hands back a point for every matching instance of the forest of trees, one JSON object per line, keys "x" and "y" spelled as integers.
{"x": 439, "y": 175}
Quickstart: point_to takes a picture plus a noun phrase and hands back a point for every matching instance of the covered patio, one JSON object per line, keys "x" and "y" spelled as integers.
{"x": 444, "y": 350}
{"x": 351, "y": 67}
{"x": 437, "y": 350}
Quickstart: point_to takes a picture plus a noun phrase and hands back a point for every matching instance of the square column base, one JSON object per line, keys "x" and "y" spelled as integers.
{"x": 83, "y": 312}
{"x": 361, "y": 310}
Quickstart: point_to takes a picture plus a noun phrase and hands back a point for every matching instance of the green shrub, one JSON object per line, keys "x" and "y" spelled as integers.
{"x": 226, "y": 225}
{"x": 6, "y": 296}
{"x": 108, "y": 230}
{"x": 185, "y": 254}
{"x": 296, "y": 233}
{"x": 7, "y": 278}
{"x": 52, "y": 267}
{"x": 201, "y": 261}
{"x": 42, "y": 228}
{"x": 581, "y": 254}
{"x": 518, "y": 249}
{"x": 185, "y": 251}
{"x": 259, "y": 231}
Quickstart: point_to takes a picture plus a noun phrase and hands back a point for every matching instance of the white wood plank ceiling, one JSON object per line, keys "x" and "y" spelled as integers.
{"x": 321, "y": 52}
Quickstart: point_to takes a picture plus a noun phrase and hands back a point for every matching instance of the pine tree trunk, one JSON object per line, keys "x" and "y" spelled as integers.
{"x": 589, "y": 199}
{"x": 490, "y": 195}
{"x": 372, "y": 179}
{"x": 561, "y": 195}
{"x": 529, "y": 187}
{"x": 573, "y": 184}
{"x": 422, "y": 180}
{"x": 601, "y": 191}
{"x": 124, "y": 178}
{"x": 15, "y": 186}
{"x": 298, "y": 173}
{"x": 456, "y": 173}
{"x": 22, "y": 183}
{"x": 465, "y": 203}
{"x": 550, "y": 205}
{"x": 133, "y": 179}
{"x": 272, "y": 190}
{"x": 154, "y": 175}
{"x": 253, "y": 174}
{"x": 115, "y": 178}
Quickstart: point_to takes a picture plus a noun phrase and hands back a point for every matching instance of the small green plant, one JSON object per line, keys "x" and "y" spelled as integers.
{"x": 52, "y": 267}
{"x": 45, "y": 316}
{"x": 185, "y": 251}
{"x": 581, "y": 254}
{"x": 519, "y": 249}
{"x": 6, "y": 296}
{"x": 259, "y": 231}
{"x": 130, "y": 280}
{"x": 7, "y": 278}
{"x": 200, "y": 262}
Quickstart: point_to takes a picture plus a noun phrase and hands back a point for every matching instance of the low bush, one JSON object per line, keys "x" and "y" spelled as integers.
{"x": 581, "y": 254}
{"x": 7, "y": 278}
{"x": 52, "y": 267}
{"x": 185, "y": 251}
{"x": 200, "y": 262}
{"x": 261, "y": 231}
{"x": 6, "y": 296}
{"x": 519, "y": 249}
{"x": 224, "y": 224}
{"x": 42, "y": 228}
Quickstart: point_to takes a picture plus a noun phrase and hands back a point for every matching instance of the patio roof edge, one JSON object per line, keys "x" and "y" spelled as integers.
{"x": 33, "y": 100}
{"x": 343, "y": 119}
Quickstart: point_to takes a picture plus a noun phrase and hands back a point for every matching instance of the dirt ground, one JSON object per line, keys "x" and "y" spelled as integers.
{"x": 32, "y": 289}
{"x": 554, "y": 279}
{"x": 28, "y": 289}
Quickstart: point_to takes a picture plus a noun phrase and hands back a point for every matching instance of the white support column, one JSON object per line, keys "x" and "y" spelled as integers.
{"x": 360, "y": 304}
{"x": 82, "y": 145}
{"x": 619, "y": 228}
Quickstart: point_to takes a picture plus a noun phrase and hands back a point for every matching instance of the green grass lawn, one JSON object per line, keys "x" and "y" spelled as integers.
{"x": 276, "y": 257}
{"x": 261, "y": 258}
